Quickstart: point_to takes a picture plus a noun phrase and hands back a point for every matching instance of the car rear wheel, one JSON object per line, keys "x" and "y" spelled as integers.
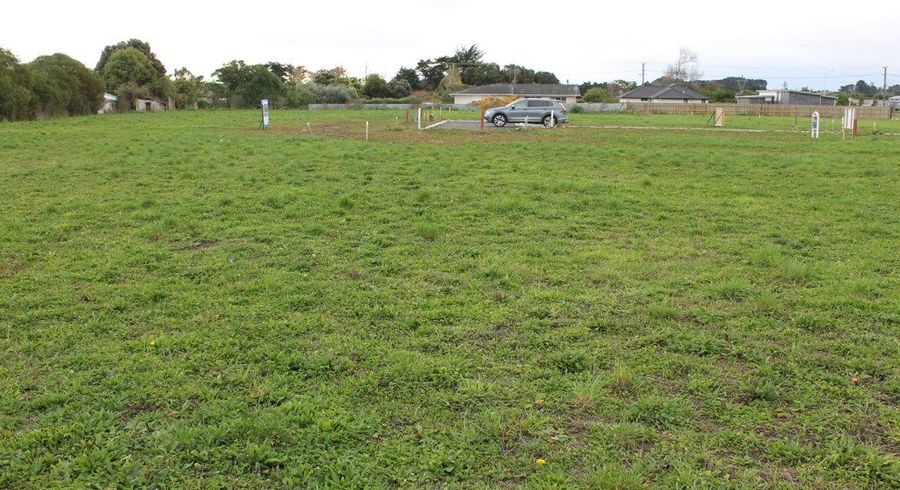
{"x": 546, "y": 121}
{"x": 499, "y": 120}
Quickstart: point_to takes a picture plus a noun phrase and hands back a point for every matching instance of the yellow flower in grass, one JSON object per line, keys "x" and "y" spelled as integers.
{"x": 540, "y": 461}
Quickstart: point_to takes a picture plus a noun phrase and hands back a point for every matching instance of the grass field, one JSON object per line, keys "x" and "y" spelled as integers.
{"x": 189, "y": 302}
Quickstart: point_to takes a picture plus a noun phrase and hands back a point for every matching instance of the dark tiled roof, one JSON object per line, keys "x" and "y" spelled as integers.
{"x": 673, "y": 91}
{"x": 524, "y": 89}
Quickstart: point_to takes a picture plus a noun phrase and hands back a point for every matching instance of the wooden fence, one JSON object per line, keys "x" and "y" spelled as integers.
{"x": 756, "y": 109}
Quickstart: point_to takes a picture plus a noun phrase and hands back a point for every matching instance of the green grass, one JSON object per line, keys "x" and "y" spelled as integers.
{"x": 189, "y": 302}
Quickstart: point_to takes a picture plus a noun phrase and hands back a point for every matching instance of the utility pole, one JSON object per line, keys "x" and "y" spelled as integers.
{"x": 366, "y": 70}
{"x": 884, "y": 82}
{"x": 642, "y": 72}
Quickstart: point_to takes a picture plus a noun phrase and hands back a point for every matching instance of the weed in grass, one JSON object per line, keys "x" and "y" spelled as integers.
{"x": 787, "y": 452}
{"x": 797, "y": 271}
{"x": 766, "y": 255}
{"x": 586, "y": 394}
{"x": 345, "y": 203}
{"x": 659, "y": 412}
{"x": 616, "y": 477}
{"x": 274, "y": 201}
{"x": 812, "y": 322}
{"x": 627, "y": 437}
{"x": 733, "y": 289}
{"x": 762, "y": 390}
{"x": 766, "y": 303}
{"x": 699, "y": 343}
{"x": 661, "y": 312}
{"x": 569, "y": 361}
{"x": 846, "y": 459}
{"x": 622, "y": 379}
{"x": 259, "y": 457}
{"x": 427, "y": 231}
{"x": 316, "y": 229}
{"x": 892, "y": 387}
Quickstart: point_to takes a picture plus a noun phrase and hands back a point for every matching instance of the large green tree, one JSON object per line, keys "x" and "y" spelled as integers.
{"x": 409, "y": 75}
{"x": 137, "y": 44}
{"x": 15, "y": 87}
{"x": 64, "y": 86}
{"x": 128, "y": 65}
{"x": 331, "y": 77}
{"x": 188, "y": 89}
{"x": 247, "y": 84}
{"x": 376, "y": 87}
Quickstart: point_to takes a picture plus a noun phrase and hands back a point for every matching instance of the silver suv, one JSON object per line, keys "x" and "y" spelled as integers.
{"x": 548, "y": 112}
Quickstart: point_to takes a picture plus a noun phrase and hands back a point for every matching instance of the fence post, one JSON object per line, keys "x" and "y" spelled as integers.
{"x": 367, "y": 130}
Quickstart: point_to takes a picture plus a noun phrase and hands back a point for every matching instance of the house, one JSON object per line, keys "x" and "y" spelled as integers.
{"x": 109, "y": 103}
{"x": 672, "y": 93}
{"x": 149, "y": 105}
{"x": 786, "y": 97}
{"x": 564, "y": 93}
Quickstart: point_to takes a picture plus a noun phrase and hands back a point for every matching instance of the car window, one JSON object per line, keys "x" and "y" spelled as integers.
{"x": 538, "y": 103}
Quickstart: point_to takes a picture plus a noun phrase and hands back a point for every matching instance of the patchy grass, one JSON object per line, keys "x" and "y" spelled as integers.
{"x": 189, "y": 302}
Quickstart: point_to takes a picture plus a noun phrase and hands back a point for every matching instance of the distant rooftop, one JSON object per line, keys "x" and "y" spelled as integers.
{"x": 671, "y": 91}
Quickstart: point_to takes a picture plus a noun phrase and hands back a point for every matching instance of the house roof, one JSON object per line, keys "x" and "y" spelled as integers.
{"x": 673, "y": 91}
{"x": 784, "y": 91}
{"x": 523, "y": 89}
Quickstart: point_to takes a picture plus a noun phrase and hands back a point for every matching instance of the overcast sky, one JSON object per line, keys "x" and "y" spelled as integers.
{"x": 815, "y": 44}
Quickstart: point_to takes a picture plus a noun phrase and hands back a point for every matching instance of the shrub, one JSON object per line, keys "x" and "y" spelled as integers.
{"x": 300, "y": 96}
{"x": 721, "y": 95}
{"x": 333, "y": 95}
{"x": 487, "y": 103}
{"x": 376, "y": 87}
{"x": 597, "y": 94}
{"x": 400, "y": 88}
{"x": 577, "y": 109}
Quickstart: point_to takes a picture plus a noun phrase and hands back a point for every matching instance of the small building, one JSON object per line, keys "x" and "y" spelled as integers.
{"x": 149, "y": 105}
{"x": 672, "y": 93}
{"x": 109, "y": 103}
{"x": 787, "y": 97}
{"x": 563, "y": 93}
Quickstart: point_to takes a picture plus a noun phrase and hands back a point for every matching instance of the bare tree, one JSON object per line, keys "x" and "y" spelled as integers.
{"x": 685, "y": 69}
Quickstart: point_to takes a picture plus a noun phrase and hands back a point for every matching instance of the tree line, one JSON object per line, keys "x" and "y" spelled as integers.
{"x": 58, "y": 85}
{"x": 54, "y": 85}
